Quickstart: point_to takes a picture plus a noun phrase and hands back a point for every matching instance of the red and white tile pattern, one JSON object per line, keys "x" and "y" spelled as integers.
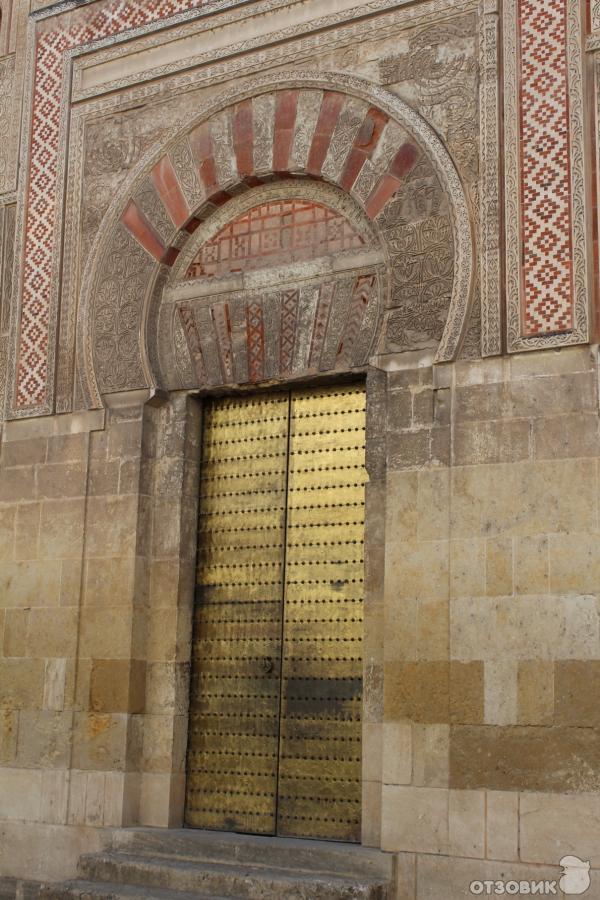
{"x": 88, "y": 25}
{"x": 547, "y": 258}
{"x": 275, "y": 233}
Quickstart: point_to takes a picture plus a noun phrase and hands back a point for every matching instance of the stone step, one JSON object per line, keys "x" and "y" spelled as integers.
{"x": 92, "y": 890}
{"x": 230, "y": 880}
{"x": 279, "y": 853}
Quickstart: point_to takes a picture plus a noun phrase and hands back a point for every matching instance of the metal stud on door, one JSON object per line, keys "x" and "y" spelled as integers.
{"x": 234, "y": 711}
{"x": 319, "y": 790}
{"x": 277, "y": 676}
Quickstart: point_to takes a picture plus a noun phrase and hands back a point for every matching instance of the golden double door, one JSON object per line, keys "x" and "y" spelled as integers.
{"x": 275, "y": 732}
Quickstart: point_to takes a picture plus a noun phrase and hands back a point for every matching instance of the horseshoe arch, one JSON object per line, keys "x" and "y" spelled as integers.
{"x": 328, "y": 140}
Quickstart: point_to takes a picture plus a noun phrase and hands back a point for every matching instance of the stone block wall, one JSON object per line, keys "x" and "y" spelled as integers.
{"x": 95, "y": 621}
{"x": 487, "y": 741}
{"x": 482, "y": 637}
{"x": 43, "y": 488}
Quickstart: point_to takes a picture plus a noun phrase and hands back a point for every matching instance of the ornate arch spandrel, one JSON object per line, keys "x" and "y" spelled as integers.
{"x": 331, "y": 128}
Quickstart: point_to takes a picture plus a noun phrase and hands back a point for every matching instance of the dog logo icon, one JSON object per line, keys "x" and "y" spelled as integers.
{"x": 576, "y": 875}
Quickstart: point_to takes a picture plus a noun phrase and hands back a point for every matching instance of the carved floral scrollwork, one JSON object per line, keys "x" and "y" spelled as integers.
{"x": 438, "y": 73}
{"x": 117, "y": 311}
{"x": 7, "y": 81}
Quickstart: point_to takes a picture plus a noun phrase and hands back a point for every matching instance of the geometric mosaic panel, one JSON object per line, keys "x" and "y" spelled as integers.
{"x": 276, "y": 233}
{"x": 91, "y": 23}
{"x": 547, "y": 257}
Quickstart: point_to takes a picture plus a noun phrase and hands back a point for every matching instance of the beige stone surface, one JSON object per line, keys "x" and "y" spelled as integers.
{"x": 62, "y": 529}
{"x": 44, "y": 739}
{"x": 574, "y": 563}
{"x": 535, "y": 686}
{"x": 20, "y": 793}
{"x": 32, "y": 583}
{"x": 524, "y": 498}
{"x": 482, "y": 443}
{"x": 564, "y": 437}
{"x": 396, "y": 752}
{"x": 557, "y": 758}
{"x": 467, "y": 692}
{"x": 55, "y": 683}
{"x": 111, "y": 527}
{"x": 539, "y": 627}
{"x": 100, "y": 742}
{"x": 372, "y": 745}
{"x": 560, "y": 361}
{"x": 433, "y": 522}
{"x": 371, "y": 814}
{"x": 400, "y": 617}
{"x": 499, "y": 567}
{"x": 502, "y": 825}
{"x": 27, "y": 532}
{"x": 466, "y": 823}
{"x": 61, "y": 480}
{"x": 45, "y": 851}
{"x": 414, "y": 819}
{"x": 532, "y": 564}
{"x": 16, "y": 622}
{"x": 165, "y": 745}
{"x": 439, "y": 878}
{"x": 417, "y": 692}
{"x": 108, "y": 578}
{"x": 52, "y": 632}
{"x": 117, "y": 686}
{"x": 406, "y": 876}
{"x": 500, "y": 691}
{"x": 161, "y": 800}
{"x": 431, "y": 755}
{"x": 402, "y": 510}
{"x": 7, "y": 532}
{"x": 21, "y": 683}
{"x": 106, "y": 632}
{"x": 467, "y": 568}
{"x": 555, "y": 825}
{"x": 9, "y": 720}
{"x": 55, "y": 796}
{"x": 575, "y": 689}
{"x": 433, "y": 629}
{"x": 417, "y": 569}
{"x": 67, "y": 448}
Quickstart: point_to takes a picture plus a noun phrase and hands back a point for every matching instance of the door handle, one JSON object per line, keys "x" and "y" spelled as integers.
{"x": 266, "y": 665}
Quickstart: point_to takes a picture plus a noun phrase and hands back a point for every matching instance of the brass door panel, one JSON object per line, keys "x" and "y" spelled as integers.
{"x": 319, "y": 789}
{"x": 275, "y": 731}
{"x": 235, "y": 697}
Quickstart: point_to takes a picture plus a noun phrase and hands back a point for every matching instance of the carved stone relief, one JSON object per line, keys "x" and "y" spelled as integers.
{"x": 7, "y": 256}
{"x": 7, "y": 149}
{"x": 488, "y": 205}
{"x": 175, "y": 100}
{"x": 406, "y": 181}
{"x": 120, "y": 292}
{"x": 112, "y": 148}
{"x": 345, "y": 31}
{"x": 298, "y": 330}
{"x": 418, "y": 231}
{"x": 438, "y": 75}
